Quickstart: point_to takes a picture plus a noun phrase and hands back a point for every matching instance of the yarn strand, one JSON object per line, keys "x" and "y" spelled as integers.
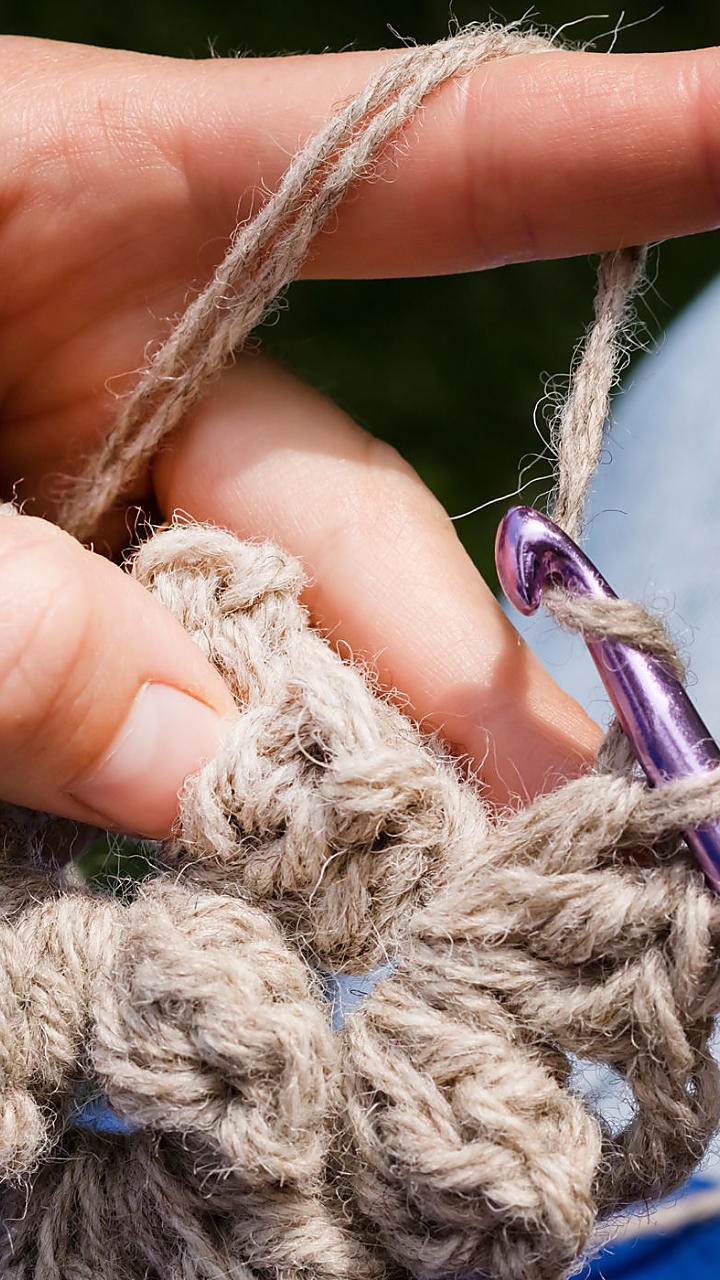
{"x": 268, "y": 253}
{"x": 578, "y": 435}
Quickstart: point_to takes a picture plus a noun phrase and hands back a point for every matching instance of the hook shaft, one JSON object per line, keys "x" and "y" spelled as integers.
{"x": 666, "y": 732}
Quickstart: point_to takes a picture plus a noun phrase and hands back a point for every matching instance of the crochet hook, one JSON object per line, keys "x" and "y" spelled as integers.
{"x": 661, "y": 723}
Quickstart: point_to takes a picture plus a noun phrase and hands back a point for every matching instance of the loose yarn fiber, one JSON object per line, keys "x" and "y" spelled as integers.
{"x": 439, "y": 1135}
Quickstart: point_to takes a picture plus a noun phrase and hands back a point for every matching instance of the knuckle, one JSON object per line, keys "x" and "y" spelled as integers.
{"x": 394, "y": 486}
{"x": 383, "y": 493}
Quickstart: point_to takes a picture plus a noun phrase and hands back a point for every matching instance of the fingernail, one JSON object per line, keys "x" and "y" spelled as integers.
{"x": 167, "y": 736}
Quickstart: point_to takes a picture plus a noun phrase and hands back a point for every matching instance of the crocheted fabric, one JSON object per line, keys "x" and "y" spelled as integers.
{"x": 439, "y": 1133}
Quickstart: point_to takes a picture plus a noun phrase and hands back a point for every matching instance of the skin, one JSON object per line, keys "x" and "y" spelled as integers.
{"x": 122, "y": 178}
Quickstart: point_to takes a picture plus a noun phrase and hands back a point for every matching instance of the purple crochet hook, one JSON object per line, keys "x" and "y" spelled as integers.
{"x": 666, "y": 732}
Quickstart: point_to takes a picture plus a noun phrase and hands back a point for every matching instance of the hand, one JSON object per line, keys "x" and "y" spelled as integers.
{"x": 121, "y": 179}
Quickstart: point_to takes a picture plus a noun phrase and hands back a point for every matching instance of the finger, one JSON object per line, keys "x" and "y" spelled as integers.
{"x": 106, "y": 705}
{"x": 536, "y": 156}
{"x": 129, "y": 189}
{"x": 267, "y": 456}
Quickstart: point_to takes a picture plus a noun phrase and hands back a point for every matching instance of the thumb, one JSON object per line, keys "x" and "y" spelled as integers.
{"x": 106, "y": 705}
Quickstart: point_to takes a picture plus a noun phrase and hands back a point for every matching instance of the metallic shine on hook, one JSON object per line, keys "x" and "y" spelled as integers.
{"x": 664, "y": 729}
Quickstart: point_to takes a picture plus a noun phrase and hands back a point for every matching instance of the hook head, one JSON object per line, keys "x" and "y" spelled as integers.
{"x": 530, "y": 549}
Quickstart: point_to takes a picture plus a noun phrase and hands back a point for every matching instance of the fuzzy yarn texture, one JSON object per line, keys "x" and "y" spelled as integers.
{"x": 439, "y": 1135}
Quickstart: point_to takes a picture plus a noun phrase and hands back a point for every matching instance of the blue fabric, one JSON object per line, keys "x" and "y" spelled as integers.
{"x": 98, "y": 1115}
{"x": 692, "y": 1253}
{"x": 344, "y": 991}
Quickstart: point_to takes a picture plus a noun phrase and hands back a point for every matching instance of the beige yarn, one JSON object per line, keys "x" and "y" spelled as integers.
{"x": 440, "y": 1135}
{"x": 267, "y": 253}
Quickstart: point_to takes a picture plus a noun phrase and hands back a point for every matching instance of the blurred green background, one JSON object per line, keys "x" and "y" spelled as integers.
{"x": 447, "y": 369}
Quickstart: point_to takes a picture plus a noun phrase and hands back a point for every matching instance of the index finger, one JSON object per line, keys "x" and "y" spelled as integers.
{"x": 533, "y": 156}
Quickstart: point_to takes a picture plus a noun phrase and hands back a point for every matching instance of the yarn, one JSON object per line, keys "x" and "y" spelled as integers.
{"x": 439, "y": 1134}
{"x": 441, "y": 1121}
{"x": 578, "y": 432}
{"x": 267, "y": 253}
